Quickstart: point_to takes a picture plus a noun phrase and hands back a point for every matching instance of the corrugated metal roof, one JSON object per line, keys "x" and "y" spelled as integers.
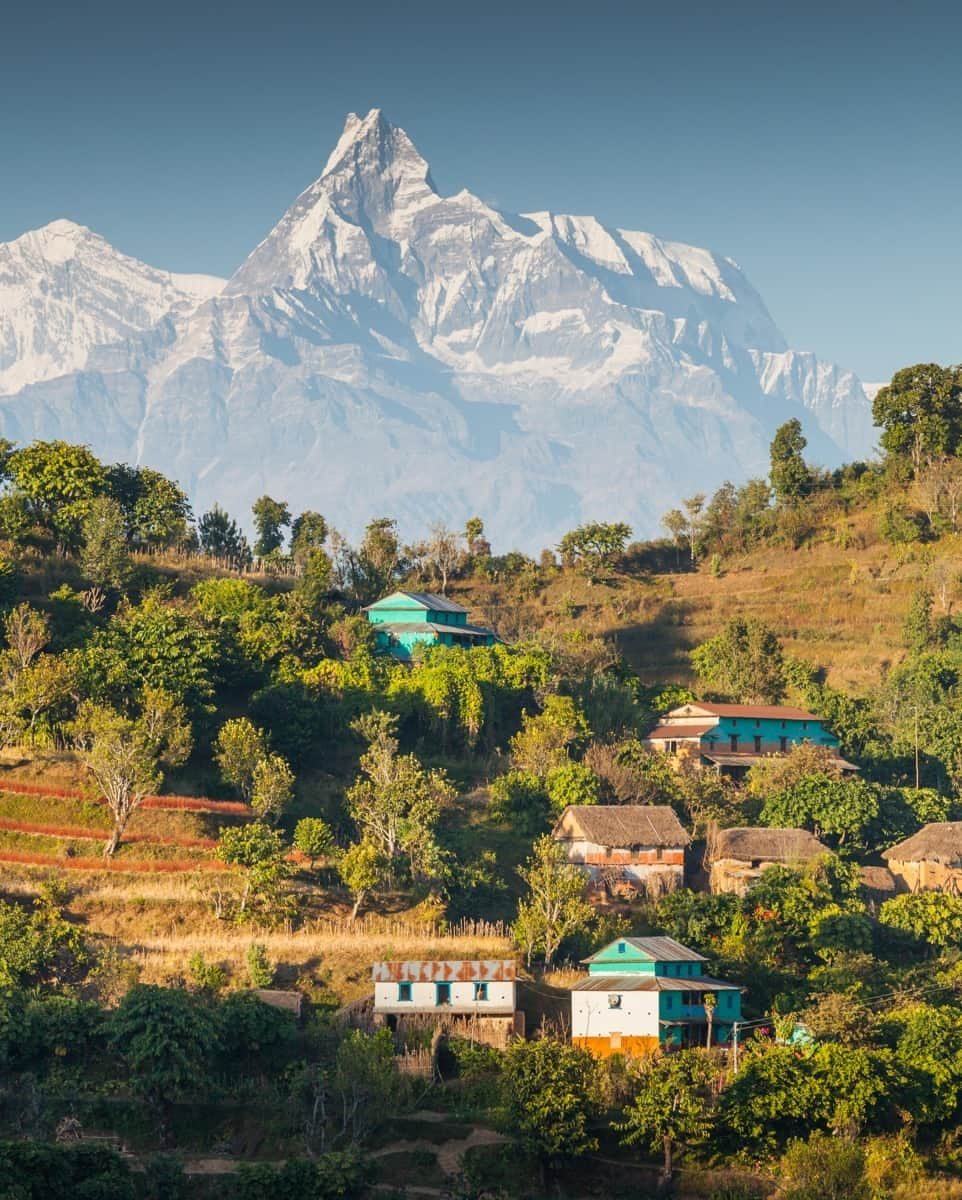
{"x": 653, "y": 983}
{"x": 424, "y": 599}
{"x": 747, "y": 760}
{"x": 495, "y": 970}
{"x": 771, "y": 711}
{"x": 678, "y": 731}
{"x": 434, "y": 627}
{"x": 651, "y": 949}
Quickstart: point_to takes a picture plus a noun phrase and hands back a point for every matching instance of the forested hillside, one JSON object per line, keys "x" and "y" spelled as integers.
{"x": 212, "y": 783}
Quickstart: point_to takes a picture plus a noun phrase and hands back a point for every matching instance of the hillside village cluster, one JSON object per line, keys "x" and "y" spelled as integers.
{"x": 641, "y": 993}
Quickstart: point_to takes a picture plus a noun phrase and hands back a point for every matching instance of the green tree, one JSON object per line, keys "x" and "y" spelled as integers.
{"x": 594, "y": 547}
{"x": 672, "y": 1103}
{"x": 103, "y": 557}
{"x": 156, "y": 511}
{"x": 518, "y": 799}
{"x": 552, "y": 1096}
{"x": 220, "y": 537}
{"x": 744, "y": 662}
{"x": 842, "y": 807}
{"x": 555, "y": 907}
{"x": 272, "y": 787}
{"x": 572, "y": 783}
{"x": 789, "y": 476}
{"x": 125, "y": 754}
{"x": 260, "y": 855}
{"x": 58, "y": 482}
{"x": 363, "y": 867}
{"x": 541, "y": 745}
{"x": 920, "y": 413}
{"x": 271, "y": 518}
{"x": 918, "y": 632}
{"x": 167, "y": 1038}
{"x": 39, "y": 949}
{"x": 824, "y": 1168}
{"x": 395, "y": 802}
{"x": 932, "y": 917}
{"x": 308, "y": 534}
{"x": 313, "y": 838}
{"x": 238, "y": 748}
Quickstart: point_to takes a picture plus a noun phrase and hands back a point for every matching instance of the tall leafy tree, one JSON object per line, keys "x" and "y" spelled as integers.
{"x": 920, "y": 413}
{"x": 595, "y": 547}
{"x": 672, "y": 1102}
{"x": 166, "y": 1037}
{"x": 308, "y": 534}
{"x": 103, "y": 558}
{"x": 395, "y": 802}
{"x": 220, "y": 536}
{"x": 238, "y": 749}
{"x": 789, "y": 476}
{"x": 552, "y": 1096}
{"x": 125, "y": 754}
{"x": 271, "y": 518}
{"x": 744, "y": 663}
{"x": 58, "y": 481}
{"x": 555, "y": 906}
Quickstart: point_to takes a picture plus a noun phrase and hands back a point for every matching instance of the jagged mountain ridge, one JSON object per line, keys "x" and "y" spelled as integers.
{"x": 387, "y": 349}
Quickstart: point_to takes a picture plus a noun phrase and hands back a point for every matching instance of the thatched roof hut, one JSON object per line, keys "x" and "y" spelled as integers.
{"x": 621, "y": 826}
{"x": 748, "y": 844}
{"x": 938, "y": 842}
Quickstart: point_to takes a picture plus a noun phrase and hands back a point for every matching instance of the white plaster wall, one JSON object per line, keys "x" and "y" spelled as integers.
{"x": 501, "y": 995}
{"x": 591, "y": 1016}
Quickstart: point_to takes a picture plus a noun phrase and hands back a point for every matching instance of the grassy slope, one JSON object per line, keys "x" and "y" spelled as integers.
{"x": 839, "y": 607}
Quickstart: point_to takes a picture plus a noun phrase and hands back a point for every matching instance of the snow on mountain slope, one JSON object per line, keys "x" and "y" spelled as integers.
{"x": 386, "y": 349}
{"x": 65, "y": 290}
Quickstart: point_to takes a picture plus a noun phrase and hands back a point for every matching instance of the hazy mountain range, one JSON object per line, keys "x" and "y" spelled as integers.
{"x": 388, "y": 350}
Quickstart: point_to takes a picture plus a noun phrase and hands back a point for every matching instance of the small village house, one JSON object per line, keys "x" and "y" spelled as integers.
{"x": 405, "y": 620}
{"x": 470, "y": 998}
{"x": 739, "y": 856}
{"x": 930, "y": 860}
{"x": 648, "y": 993}
{"x": 732, "y": 737}
{"x": 639, "y": 845}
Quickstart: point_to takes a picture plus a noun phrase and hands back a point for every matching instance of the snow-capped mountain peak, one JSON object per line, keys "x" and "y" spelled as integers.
{"x": 438, "y": 356}
{"x": 64, "y": 290}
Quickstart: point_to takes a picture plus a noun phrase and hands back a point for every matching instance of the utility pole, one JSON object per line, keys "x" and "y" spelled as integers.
{"x": 735, "y": 1047}
{"x": 916, "y": 747}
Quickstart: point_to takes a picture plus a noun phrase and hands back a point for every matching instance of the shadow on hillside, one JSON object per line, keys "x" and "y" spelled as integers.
{"x": 658, "y": 649}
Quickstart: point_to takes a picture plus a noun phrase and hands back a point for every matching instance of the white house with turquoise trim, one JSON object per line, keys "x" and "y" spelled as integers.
{"x": 643, "y": 994}
{"x": 404, "y": 620}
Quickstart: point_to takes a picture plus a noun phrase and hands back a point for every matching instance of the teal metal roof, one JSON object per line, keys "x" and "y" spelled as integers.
{"x": 650, "y": 949}
{"x": 425, "y": 600}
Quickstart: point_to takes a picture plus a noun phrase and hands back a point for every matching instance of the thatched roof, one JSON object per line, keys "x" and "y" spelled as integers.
{"x": 621, "y": 826}
{"x": 767, "y": 845}
{"x": 877, "y": 879}
{"x": 939, "y": 842}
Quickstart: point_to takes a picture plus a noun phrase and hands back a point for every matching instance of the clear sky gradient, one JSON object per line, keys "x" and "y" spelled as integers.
{"x": 817, "y": 144}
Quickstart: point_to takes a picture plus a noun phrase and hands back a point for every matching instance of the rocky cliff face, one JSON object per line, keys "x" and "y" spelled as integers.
{"x": 386, "y": 349}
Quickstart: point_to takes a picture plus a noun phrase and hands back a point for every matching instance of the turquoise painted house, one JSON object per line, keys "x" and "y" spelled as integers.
{"x": 731, "y": 737}
{"x": 643, "y": 994}
{"x": 404, "y": 620}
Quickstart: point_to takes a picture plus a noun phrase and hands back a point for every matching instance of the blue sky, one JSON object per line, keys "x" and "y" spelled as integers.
{"x": 817, "y": 144}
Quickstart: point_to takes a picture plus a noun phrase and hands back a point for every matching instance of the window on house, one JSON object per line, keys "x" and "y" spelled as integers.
{"x": 621, "y": 947}
{"x": 672, "y": 747}
{"x": 614, "y": 1001}
{"x": 758, "y": 724}
{"x": 442, "y": 994}
{"x": 691, "y": 998}
{"x": 783, "y": 725}
{"x": 480, "y": 991}
{"x": 804, "y": 724}
{"x": 404, "y": 991}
